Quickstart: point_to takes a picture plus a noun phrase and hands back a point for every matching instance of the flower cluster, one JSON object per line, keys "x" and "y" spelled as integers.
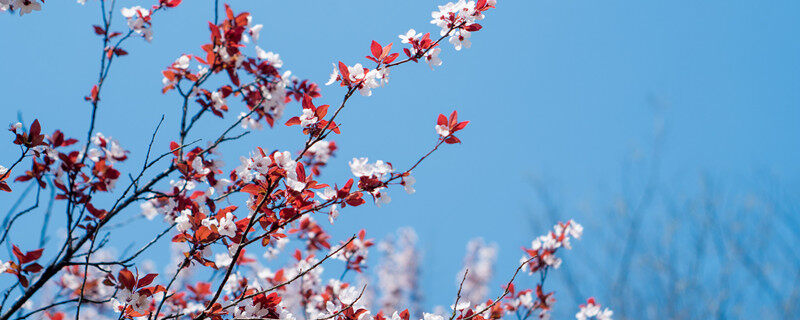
{"x": 459, "y": 19}
{"x": 479, "y": 268}
{"x": 24, "y": 6}
{"x": 139, "y": 21}
{"x": 370, "y": 177}
{"x": 225, "y": 223}
{"x": 541, "y": 254}
{"x": 398, "y": 273}
{"x": 592, "y": 310}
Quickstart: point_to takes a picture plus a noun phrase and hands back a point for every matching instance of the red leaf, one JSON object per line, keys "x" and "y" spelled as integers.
{"x": 391, "y": 57}
{"x": 343, "y": 71}
{"x": 452, "y": 139}
{"x": 307, "y": 103}
{"x": 229, "y": 12}
{"x": 301, "y": 172}
{"x": 98, "y": 30}
{"x": 252, "y": 189}
{"x": 442, "y": 120}
{"x": 376, "y": 49}
{"x": 460, "y": 126}
{"x": 453, "y": 119}
{"x": 174, "y": 146}
{"x": 35, "y": 268}
{"x": 126, "y": 278}
{"x": 322, "y": 111}
{"x": 120, "y": 52}
{"x": 36, "y": 129}
{"x": 293, "y": 121}
{"x": 17, "y": 253}
{"x": 33, "y": 255}
{"x": 146, "y": 280}
{"x": 386, "y": 50}
{"x": 227, "y": 209}
{"x": 473, "y": 27}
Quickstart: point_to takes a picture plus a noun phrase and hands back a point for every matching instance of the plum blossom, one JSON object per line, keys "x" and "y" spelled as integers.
{"x": 460, "y": 39}
{"x": 308, "y": 118}
{"x": 334, "y": 213}
{"x": 183, "y": 221}
{"x": 249, "y": 122}
{"x": 461, "y": 18}
{"x": 545, "y": 246}
{"x": 398, "y": 272}
{"x": 479, "y": 261}
{"x": 462, "y": 305}
{"x": 138, "y": 21}
{"x": 227, "y": 225}
{"x": 349, "y": 295}
{"x": 381, "y": 197}
{"x": 432, "y": 316}
{"x": 199, "y": 167}
{"x": 334, "y": 75}
{"x": 432, "y": 57}
{"x": 24, "y": 6}
{"x": 322, "y": 150}
{"x": 4, "y": 266}
{"x": 592, "y": 310}
{"x": 274, "y": 59}
{"x": 361, "y": 168}
{"x": 408, "y": 184}
{"x": 217, "y": 100}
{"x": 410, "y": 36}
{"x": 182, "y": 62}
{"x": 255, "y": 31}
{"x": 362, "y": 78}
{"x": 135, "y": 300}
{"x": 442, "y": 130}
{"x": 110, "y": 147}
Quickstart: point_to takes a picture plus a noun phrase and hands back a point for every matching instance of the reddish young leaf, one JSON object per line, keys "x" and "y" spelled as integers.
{"x": 473, "y": 27}
{"x": 293, "y": 121}
{"x": 146, "y": 280}
{"x": 441, "y": 120}
{"x": 175, "y": 147}
{"x": 376, "y": 49}
{"x": 252, "y": 189}
{"x": 126, "y": 278}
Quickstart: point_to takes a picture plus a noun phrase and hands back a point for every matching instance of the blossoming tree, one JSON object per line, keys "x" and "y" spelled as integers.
{"x": 214, "y": 275}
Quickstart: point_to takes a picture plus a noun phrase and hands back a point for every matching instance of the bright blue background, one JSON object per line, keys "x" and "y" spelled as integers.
{"x": 562, "y": 90}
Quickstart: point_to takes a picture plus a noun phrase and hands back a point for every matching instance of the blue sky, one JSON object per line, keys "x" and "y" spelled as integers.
{"x": 567, "y": 91}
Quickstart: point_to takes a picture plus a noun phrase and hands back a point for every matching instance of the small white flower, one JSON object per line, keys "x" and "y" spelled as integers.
{"x": 408, "y": 184}
{"x": 183, "y": 222}
{"x": 227, "y": 225}
{"x": 460, "y": 306}
{"x": 308, "y": 118}
{"x": 255, "y": 31}
{"x": 334, "y": 76}
{"x": 27, "y": 6}
{"x": 182, "y": 62}
{"x": 349, "y": 295}
{"x": 273, "y": 58}
{"x": 410, "y": 36}
{"x": 442, "y": 130}
{"x": 431, "y": 316}
{"x": 432, "y": 57}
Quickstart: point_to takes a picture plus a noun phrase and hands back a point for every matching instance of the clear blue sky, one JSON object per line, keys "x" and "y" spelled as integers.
{"x": 558, "y": 89}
